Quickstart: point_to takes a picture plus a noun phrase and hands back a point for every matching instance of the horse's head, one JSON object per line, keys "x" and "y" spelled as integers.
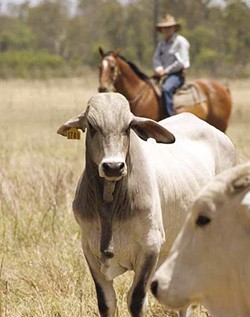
{"x": 108, "y": 70}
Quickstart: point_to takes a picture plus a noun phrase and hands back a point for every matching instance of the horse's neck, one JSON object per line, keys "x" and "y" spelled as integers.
{"x": 127, "y": 83}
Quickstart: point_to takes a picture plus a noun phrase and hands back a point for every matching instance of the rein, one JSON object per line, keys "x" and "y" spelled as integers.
{"x": 139, "y": 95}
{"x": 116, "y": 73}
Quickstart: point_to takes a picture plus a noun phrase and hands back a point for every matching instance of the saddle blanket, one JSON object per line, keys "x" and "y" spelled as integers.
{"x": 188, "y": 95}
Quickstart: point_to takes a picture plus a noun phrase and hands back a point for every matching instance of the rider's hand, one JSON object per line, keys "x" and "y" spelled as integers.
{"x": 160, "y": 73}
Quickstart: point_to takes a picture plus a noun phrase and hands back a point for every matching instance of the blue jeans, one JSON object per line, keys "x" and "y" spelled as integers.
{"x": 169, "y": 87}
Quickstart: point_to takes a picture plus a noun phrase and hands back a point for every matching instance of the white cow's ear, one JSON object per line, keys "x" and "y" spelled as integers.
{"x": 146, "y": 128}
{"x": 246, "y": 203}
{"x": 79, "y": 122}
{"x": 241, "y": 183}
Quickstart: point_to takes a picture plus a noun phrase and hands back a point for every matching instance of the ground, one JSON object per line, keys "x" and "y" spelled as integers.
{"x": 42, "y": 270}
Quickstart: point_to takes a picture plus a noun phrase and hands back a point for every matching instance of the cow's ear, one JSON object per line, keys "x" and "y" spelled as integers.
{"x": 242, "y": 185}
{"x": 146, "y": 128}
{"x": 246, "y": 203}
{"x": 79, "y": 122}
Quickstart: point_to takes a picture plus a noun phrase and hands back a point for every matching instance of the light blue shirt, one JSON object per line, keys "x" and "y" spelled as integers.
{"x": 172, "y": 55}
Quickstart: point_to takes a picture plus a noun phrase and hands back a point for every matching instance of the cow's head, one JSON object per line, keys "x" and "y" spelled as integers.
{"x": 211, "y": 251}
{"x": 109, "y": 121}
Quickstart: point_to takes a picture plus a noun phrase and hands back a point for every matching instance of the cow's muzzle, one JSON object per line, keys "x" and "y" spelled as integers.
{"x": 113, "y": 169}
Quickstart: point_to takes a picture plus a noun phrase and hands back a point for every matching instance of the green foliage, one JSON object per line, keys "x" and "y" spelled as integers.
{"x": 15, "y": 35}
{"x": 22, "y": 39}
{"x": 237, "y": 21}
{"x": 206, "y": 59}
{"x": 28, "y": 63}
{"x": 219, "y": 36}
{"x": 49, "y": 22}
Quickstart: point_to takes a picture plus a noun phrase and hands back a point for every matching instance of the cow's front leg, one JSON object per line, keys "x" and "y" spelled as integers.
{"x": 105, "y": 293}
{"x": 137, "y": 297}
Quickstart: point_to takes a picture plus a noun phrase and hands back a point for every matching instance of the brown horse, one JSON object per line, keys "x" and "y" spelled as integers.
{"x": 123, "y": 76}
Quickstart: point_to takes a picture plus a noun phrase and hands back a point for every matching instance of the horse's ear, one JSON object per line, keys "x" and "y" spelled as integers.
{"x": 101, "y": 51}
{"x": 116, "y": 52}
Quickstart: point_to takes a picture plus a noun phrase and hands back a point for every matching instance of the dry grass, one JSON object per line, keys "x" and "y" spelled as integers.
{"x": 42, "y": 271}
{"x": 239, "y": 126}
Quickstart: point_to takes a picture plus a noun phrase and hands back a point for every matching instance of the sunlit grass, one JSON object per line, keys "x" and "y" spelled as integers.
{"x": 42, "y": 270}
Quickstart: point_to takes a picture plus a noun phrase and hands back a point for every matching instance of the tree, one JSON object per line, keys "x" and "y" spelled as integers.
{"x": 49, "y": 21}
{"x": 237, "y": 32}
{"x": 219, "y": 35}
{"x": 14, "y": 34}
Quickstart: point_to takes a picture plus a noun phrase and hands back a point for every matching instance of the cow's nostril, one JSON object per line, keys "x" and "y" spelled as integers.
{"x": 107, "y": 167}
{"x": 121, "y": 165}
{"x": 154, "y": 287}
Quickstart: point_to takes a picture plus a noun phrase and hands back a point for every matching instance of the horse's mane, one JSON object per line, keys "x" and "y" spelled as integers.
{"x": 138, "y": 72}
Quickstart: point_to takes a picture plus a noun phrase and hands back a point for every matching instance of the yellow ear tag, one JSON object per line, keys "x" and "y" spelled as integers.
{"x": 73, "y": 134}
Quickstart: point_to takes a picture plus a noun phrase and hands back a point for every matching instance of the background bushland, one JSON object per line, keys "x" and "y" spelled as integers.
{"x": 51, "y": 39}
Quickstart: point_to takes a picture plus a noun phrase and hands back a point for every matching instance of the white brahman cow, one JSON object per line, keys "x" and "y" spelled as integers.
{"x": 133, "y": 196}
{"x": 210, "y": 259}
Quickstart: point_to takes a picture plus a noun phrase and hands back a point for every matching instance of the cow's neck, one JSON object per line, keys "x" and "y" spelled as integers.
{"x": 108, "y": 207}
{"x": 108, "y": 191}
{"x": 100, "y": 192}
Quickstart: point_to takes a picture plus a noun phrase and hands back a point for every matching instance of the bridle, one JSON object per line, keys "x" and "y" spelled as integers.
{"x": 114, "y": 69}
{"x": 115, "y": 72}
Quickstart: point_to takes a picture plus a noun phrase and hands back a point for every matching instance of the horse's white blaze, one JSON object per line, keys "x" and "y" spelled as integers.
{"x": 105, "y": 64}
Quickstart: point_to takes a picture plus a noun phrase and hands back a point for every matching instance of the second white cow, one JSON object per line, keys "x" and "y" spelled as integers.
{"x": 210, "y": 260}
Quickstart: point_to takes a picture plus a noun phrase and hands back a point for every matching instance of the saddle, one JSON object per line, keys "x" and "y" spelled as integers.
{"x": 186, "y": 96}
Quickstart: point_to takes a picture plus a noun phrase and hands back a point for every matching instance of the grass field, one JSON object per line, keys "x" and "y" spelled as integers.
{"x": 42, "y": 270}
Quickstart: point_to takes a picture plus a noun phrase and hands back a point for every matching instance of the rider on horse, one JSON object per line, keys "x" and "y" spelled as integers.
{"x": 171, "y": 58}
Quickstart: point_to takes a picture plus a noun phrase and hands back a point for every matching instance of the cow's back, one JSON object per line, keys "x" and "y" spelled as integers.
{"x": 186, "y": 126}
{"x": 182, "y": 169}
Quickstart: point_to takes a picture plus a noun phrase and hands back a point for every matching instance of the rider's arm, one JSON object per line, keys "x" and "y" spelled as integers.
{"x": 182, "y": 57}
{"x": 157, "y": 63}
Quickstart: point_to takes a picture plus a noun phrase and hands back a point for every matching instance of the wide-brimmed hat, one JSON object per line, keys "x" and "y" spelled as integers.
{"x": 168, "y": 21}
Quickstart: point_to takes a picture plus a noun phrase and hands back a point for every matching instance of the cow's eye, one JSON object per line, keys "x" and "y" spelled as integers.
{"x": 202, "y": 221}
{"x": 92, "y": 130}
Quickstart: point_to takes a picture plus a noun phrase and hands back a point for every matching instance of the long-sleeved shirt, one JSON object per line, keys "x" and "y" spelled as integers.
{"x": 172, "y": 55}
